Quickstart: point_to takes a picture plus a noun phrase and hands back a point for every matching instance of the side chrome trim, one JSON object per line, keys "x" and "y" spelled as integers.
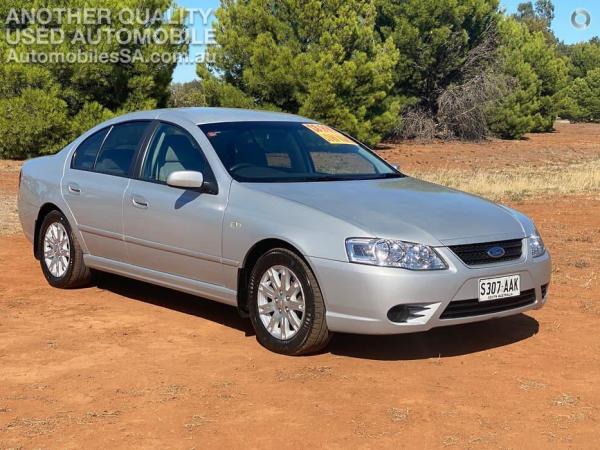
{"x": 99, "y": 232}
{"x": 179, "y": 251}
{"x": 211, "y": 291}
{"x": 171, "y": 249}
{"x": 231, "y": 262}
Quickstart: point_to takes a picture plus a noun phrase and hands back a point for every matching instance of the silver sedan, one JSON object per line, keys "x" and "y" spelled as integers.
{"x": 298, "y": 225}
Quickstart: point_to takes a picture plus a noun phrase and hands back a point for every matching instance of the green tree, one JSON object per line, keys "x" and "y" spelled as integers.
{"x": 318, "y": 58}
{"x": 539, "y": 75}
{"x": 544, "y": 9}
{"x": 86, "y": 91}
{"x": 525, "y": 11}
{"x": 208, "y": 91}
{"x": 90, "y": 115}
{"x": 434, "y": 38}
{"x": 538, "y": 17}
{"x": 33, "y": 123}
{"x": 581, "y": 99}
{"x": 584, "y": 56}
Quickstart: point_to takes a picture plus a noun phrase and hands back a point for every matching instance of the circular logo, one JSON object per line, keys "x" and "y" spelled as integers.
{"x": 581, "y": 19}
{"x": 496, "y": 252}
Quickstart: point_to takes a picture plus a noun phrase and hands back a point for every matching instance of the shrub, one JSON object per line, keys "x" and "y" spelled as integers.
{"x": 584, "y": 56}
{"x": 89, "y": 116}
{"x": 581, "y": 100}
{"x": 33, "y": 123}
{"x": 208, "y": 92}
{"x": 540, "y": 74}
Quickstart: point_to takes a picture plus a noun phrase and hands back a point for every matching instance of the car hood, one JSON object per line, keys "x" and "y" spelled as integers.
{"x": 405, "y": 208}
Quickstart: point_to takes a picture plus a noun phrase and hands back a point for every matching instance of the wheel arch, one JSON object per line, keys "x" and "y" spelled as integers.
{"x": 252, "y": 256}
{"x": 45, "y": 209}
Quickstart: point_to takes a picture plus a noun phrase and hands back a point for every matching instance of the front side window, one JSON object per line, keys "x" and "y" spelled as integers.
{"x": 86, "y": 153}
{"x": 292, "y": 151}
{"x": 119, "y": 148}
{"x": 171, "y": 149}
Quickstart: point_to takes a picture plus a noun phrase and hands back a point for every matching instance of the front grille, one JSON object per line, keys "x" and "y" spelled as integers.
{"x": 469, "y": 308}
{"x": 476, "y": 254}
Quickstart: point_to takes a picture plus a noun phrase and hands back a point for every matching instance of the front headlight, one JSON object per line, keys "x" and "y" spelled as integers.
{"x": 388, "y": 253}
{"x": 536, "y": 244}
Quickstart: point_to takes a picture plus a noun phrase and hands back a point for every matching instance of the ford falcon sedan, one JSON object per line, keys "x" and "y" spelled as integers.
{"x": 298, "y": 225}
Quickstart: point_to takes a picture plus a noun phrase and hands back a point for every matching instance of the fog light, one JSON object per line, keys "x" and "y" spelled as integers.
{"x": 398, "y": 314}
{"x": 404, "y": 313}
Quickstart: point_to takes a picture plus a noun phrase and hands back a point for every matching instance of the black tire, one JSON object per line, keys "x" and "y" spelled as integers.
{"x": 313, "y": 334}
{"x": 77, "y": 273}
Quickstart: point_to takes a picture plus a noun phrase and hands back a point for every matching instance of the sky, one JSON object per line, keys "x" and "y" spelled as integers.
{"x": 187, "y": 72}
{"x": 562, "y": 26}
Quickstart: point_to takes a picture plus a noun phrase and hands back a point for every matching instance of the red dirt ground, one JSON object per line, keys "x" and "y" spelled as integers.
{"x": 569, "y": 143}
{"x": 125, "y": 364}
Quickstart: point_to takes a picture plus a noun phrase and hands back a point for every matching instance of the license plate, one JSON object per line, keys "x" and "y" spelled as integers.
{"x": 500, "y": 287}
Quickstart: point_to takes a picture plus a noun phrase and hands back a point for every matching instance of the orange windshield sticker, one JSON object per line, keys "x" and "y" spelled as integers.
{"x": 328, "y": 133}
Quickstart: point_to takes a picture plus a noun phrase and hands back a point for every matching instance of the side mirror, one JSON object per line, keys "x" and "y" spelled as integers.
{"x": 186, "y": 179}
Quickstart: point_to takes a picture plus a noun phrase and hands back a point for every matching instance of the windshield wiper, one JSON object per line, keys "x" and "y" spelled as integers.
{"x": 391, "y": 175}
{"x": 378, "y": 176}
{"x": 311, "y": 179}
{"x": 306, "y": 179}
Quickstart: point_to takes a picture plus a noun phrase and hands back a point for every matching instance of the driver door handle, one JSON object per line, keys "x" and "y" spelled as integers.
{"x": 74, "y": 188}
{"x": 139, "y": 202}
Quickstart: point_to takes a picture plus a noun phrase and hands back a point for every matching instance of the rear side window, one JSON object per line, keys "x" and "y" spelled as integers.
{"x": 118, "y": 150}
{"x": 85, "y": 155}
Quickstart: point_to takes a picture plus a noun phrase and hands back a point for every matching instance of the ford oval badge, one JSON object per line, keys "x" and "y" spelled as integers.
{"x": 496, "y": 252}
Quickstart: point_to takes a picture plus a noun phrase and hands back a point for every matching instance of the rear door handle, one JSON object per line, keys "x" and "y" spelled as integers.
{"x": 139, "y": 202}
{"x": 74, "y": 188}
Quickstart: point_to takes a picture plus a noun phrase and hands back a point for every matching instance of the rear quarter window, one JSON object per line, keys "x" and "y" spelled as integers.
{"x": 85, "y": 155}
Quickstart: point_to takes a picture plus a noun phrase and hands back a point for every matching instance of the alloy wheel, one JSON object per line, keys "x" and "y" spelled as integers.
{"x": 57, "y": 250}
{"x": 281, "y": 302}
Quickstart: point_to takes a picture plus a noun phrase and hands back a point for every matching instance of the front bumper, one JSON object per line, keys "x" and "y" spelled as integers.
{"x": 358, "y": 297}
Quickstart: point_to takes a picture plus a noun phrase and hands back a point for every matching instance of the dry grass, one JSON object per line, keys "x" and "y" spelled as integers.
{"x": 7, "y": 165}
{"x": 565, "y": 400}
{"x": 398, "y": 414}
{"x": 521, "y": 183}
{"x": 10, "y": 217}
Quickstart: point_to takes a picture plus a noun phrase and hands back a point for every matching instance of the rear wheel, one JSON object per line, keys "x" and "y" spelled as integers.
{"x": 61, "y": 257}
{"x": 286, "y": 305}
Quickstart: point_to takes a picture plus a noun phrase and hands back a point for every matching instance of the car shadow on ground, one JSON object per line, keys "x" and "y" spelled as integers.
{"x": 174, "y": 300}
{"x": 437, "y": 343}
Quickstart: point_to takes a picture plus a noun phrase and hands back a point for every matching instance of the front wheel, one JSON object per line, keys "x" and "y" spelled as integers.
{"x": 286, "y": 305}
{"x": 61, "y": 257}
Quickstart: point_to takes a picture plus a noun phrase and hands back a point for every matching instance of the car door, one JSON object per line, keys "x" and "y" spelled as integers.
{"x": 94, "y": 184}
{"x": 174, "y": 230}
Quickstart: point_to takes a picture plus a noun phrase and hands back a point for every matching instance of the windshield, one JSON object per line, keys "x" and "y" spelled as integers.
{"x": 268, "y": 152}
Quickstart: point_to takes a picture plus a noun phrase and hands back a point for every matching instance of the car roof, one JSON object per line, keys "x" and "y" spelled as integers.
{"x": 206, "y": 115}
